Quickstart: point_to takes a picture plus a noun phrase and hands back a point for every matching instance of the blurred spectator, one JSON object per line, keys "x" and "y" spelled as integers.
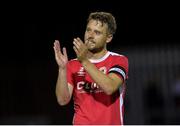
{"x": 176, "y": 91}
{"x": 176, "y": 97}
{"x": 154, "y": 104}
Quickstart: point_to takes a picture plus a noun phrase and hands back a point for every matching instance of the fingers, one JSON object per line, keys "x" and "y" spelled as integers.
{"x": 65, "y": 52}
{"x": 76, "y": 50}
{"x": 78, "y": 47}
{"x": 57, "y": 47}
{"x": 78, "y": 43}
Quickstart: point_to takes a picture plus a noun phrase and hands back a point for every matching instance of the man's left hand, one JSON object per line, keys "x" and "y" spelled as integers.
{"x": 81, "y": 49}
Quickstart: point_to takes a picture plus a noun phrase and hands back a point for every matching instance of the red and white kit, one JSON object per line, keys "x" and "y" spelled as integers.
{"x": 91, "y": 104}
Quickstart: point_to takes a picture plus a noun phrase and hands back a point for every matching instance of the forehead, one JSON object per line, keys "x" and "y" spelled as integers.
{"x": 97, "y": 24}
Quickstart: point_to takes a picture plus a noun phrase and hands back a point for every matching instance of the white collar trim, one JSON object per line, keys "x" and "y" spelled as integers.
{"x": 101, "y": 59}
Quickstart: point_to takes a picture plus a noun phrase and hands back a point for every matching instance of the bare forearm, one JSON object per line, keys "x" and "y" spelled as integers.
{"x": 104, "y": 81}
{"x": 62, "y": 91}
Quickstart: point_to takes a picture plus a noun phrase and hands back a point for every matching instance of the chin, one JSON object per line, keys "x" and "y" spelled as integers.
{"x": 91, "y": 48}
{"x": 94, "y": 50}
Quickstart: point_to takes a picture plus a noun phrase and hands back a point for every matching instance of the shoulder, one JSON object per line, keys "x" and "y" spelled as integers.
{"x": 73, "y": 65}
{"x": 73, "y": 62}
{"x": 118, "y": 56}
{"x": 120, "y": 61}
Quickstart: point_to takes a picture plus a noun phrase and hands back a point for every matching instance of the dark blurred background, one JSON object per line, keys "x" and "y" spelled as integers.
{"x": 148, "y": 34}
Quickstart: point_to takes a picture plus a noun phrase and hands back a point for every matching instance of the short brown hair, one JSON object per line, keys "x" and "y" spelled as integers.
{"x": 106, "y": 18}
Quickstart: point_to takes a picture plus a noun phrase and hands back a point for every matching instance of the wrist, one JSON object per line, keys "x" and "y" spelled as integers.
{"x": 85, "y": 62}
{"x": 62, "y": 69}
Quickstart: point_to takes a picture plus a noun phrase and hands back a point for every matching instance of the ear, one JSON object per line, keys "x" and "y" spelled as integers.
{"x": 109, "y": 38}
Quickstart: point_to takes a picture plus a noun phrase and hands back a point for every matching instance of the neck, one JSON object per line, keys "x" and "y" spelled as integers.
{"x": 97, "y": 55}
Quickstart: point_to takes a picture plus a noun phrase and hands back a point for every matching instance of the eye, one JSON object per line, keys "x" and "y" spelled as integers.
{"x": 88, "y": 29}
{"x": 97, "y": 32}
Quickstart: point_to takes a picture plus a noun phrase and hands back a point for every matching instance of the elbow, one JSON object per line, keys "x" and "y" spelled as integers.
{"x": 111, "y": 89}
{"x": 63, "y": 100}
{"x": 109, "y": 92}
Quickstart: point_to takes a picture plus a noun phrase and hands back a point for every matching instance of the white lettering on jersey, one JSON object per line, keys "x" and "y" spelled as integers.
{"x": 80, "y": 85}
{"x": 85, "y": 86}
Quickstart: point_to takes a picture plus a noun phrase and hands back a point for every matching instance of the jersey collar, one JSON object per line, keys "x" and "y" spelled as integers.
{"x": 101, "y": 59}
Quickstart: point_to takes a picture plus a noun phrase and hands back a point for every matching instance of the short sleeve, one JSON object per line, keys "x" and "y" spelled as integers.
{"x": 120, "y": 67}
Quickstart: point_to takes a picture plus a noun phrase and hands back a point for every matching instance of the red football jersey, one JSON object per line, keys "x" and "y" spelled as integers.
{"x": 91, "y": 104}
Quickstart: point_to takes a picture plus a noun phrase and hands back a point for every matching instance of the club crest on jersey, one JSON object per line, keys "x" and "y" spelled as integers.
{"x": 81, "y": 72}
{"x": 103, "y": 69}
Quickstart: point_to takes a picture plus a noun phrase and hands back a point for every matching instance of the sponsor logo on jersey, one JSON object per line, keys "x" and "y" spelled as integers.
{"x": 84, "y": 86}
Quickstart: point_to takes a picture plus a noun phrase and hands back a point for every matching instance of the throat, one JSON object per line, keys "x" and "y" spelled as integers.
{"x": 99, "y": 55}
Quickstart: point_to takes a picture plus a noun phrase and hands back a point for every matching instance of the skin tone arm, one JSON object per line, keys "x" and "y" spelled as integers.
{"x": 63, "y": 90}
{"x": 108, "y": 83}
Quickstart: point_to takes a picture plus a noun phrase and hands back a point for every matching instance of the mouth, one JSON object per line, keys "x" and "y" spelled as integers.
{"x": 90, "y": 41}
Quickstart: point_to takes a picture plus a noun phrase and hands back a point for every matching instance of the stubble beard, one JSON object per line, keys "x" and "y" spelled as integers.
{"x": 92, "y": 47}
{"x": 95, "y": 49}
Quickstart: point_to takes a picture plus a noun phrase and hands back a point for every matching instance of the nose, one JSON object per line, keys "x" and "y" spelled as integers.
{"x": 91, "y": 35}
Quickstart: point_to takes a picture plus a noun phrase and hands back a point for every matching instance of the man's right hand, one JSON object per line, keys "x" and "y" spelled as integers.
{"x": 61, "y": 58}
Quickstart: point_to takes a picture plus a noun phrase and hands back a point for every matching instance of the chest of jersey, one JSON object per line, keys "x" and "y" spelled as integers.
{"x": 84, "y": 83}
